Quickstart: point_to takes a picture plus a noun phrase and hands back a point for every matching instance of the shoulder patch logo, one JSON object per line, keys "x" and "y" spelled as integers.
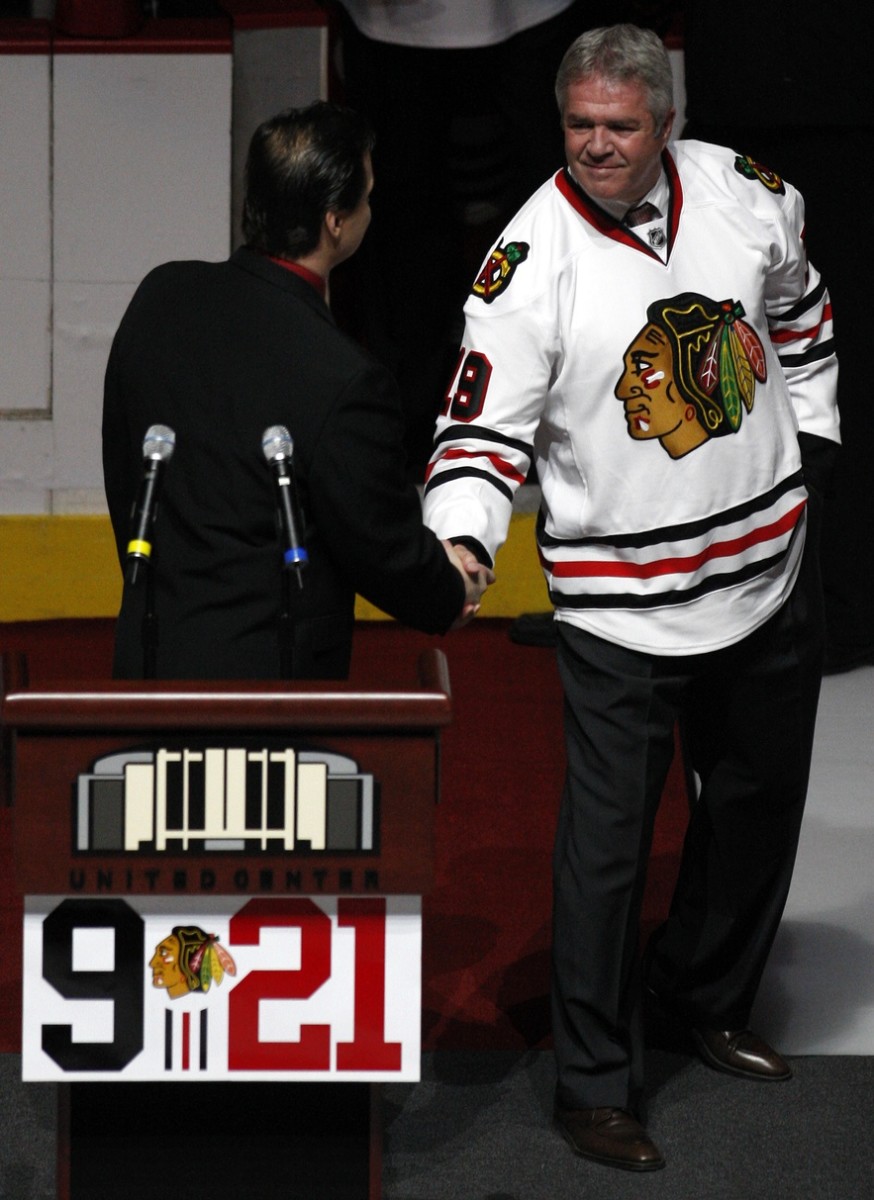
{"x": 499, "y": 270}
{"x": 750, "y": 169}
{"x": 690, "y": 373}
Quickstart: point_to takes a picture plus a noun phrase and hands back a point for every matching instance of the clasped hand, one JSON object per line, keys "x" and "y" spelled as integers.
{"x": 476, "y": 576}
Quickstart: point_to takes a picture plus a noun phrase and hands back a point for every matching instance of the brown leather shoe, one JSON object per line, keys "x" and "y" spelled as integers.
{"x": 610, "y": 1136}
{"x": 740, "y": 1052}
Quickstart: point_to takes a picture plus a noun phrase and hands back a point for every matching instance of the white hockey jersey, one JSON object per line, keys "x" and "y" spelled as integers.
{"x": 659, "y": 399}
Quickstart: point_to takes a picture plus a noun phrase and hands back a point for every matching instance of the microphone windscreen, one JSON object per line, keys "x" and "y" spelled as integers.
{"x": 159, "y": 442}
{"x": 276, "y": 443}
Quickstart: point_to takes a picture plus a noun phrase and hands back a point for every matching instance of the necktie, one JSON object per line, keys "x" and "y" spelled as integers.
{"x": 640, "y": 215}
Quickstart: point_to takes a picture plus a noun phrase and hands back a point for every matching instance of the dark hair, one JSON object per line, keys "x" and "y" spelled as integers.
{"x": 302, "y": 164}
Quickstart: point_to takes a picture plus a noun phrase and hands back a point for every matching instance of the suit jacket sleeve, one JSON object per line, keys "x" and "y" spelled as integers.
{"x": 369, "y": 516}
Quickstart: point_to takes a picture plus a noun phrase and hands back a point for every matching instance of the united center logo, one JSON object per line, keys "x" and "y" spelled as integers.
{"x": 214, "y": 799}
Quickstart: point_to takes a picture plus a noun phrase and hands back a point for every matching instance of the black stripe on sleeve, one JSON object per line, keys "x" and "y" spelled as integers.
{"x": 477, "y": 437}
{"x": 804, "y": 305}
{"x": 468, "y": 473}
{"x": 814, "y": 354}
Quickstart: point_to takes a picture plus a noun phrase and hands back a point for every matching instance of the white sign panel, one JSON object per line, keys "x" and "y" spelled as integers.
{"x": 273, "y": 988}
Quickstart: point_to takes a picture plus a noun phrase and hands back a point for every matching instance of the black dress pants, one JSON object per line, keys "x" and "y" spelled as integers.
{"x": 747, "y": 713}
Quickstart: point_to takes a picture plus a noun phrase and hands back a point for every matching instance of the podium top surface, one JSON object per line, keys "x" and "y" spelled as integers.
{"x": 238, "y": 705}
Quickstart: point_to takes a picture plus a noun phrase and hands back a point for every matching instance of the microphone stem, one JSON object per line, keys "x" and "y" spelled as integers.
{"x": 149, "y": 630}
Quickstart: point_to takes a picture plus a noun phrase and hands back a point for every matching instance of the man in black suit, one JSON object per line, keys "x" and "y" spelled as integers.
{"x": 221, "y": 352}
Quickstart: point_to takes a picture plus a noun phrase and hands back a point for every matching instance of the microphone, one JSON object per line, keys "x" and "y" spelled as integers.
{"x": 158, "y": 446}
{"x": 278, "y": 447}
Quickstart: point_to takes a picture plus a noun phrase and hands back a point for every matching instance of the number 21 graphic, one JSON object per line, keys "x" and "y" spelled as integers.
{"x": 124, "y": 985}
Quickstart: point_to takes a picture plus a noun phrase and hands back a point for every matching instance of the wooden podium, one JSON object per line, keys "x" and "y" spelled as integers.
{"x": 222, "y": 890}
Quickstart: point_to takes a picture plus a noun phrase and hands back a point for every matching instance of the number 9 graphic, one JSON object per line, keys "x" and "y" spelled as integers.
{"x": 123, "y": 985}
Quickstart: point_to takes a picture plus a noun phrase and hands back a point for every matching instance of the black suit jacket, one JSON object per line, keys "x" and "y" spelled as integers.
{"x": 220, "y": 352}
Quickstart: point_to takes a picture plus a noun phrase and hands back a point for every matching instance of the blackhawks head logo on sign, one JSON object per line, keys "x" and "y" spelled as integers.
{"x": 189, "y": 960}
{"x": 496, "y": 274}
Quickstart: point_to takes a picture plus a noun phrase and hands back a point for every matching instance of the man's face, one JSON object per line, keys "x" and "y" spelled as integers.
{"x": 612, "y": 145}
{"x": 357, "y": 219}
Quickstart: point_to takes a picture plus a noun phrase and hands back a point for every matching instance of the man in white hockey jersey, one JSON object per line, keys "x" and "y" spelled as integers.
{"x": 670, "y": 375}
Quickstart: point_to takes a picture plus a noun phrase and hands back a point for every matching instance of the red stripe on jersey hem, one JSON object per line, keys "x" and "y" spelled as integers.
{"x": 675, "y": 566}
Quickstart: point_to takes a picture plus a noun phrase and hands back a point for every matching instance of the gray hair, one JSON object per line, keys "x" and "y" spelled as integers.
{"x": 622, "y": 54}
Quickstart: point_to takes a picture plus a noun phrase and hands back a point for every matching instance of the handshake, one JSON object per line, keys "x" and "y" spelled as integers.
{"x": 476, "y": 576}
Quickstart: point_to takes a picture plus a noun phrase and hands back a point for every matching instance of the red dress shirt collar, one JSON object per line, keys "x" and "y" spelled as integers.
{"x": 305, "y": 273}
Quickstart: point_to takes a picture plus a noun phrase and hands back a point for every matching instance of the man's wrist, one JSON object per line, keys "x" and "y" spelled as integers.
{"x": 475, "y": 547}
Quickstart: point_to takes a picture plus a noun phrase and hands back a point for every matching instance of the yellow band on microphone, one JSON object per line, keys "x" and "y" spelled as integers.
{"x": 144, "y": 549}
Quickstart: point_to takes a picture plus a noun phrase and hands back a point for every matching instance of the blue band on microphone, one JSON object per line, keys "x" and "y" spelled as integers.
{"x": 296, "y": 557}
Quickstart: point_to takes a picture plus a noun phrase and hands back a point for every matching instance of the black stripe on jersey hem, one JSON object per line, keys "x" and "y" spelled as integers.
{"x": 814, "y": 354}
{"x": 670, "y": 533}
{"x": 468, "y": 473}
{"x": 630, "y": 600}
{"x": 804, "y": 305}
{"x": 486, "y": 436}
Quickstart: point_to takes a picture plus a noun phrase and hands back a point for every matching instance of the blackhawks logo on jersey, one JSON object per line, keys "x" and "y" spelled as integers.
{"x": 690, "y": 373}
{"x": 499, "y": 270}
{"x": 750, "y": 169}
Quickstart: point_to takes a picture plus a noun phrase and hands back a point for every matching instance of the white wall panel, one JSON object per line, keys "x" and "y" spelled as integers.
{"x": 25, "y": 344}
{"x": 24, "y": 178}
{"x": 141, "y": 162}
{"x": 110, "y": 163}
{"x": 86, "y": 316}
{"x": 26, "y": 466}
{"x": 25, "y": 244}
{"x": 142, "y": 174}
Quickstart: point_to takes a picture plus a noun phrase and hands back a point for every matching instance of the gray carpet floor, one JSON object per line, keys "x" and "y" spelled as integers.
{"x": 478, "y": 1127}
